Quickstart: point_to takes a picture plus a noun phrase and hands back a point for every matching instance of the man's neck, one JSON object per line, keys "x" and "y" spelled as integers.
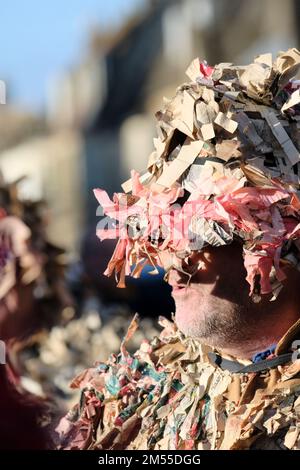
{"x": 261, "y": 339}
{"x": 248, "y": 350}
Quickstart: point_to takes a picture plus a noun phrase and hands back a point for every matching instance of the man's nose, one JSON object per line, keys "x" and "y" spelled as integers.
{"x": 175, "y": 277}
{"x": 179, "y": 276}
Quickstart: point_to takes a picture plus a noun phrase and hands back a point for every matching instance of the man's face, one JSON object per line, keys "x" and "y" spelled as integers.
{"x": 215, "y": 305}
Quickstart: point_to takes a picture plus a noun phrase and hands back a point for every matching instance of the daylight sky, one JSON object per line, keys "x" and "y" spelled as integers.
{"x": 39, "y": 39}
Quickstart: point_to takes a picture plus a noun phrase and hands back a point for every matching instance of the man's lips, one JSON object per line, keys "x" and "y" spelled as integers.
{"x": 179, "y": 289}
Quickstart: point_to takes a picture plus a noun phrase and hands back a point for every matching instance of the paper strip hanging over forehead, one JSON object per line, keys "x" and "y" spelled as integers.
{"x": 227, "y": 151}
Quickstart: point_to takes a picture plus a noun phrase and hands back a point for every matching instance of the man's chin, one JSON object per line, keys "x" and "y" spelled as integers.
{"x": 186, "y": 322}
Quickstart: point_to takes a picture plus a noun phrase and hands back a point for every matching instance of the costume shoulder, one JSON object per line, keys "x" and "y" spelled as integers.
{"x": 167, "y": 395}
{"x": 124, "y": 402}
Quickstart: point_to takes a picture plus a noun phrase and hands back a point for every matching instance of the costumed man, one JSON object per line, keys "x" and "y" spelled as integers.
{"x": 218, "y": 208}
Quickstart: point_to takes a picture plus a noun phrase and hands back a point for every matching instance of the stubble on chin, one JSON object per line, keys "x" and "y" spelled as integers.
{"x": 214, "y": 322}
